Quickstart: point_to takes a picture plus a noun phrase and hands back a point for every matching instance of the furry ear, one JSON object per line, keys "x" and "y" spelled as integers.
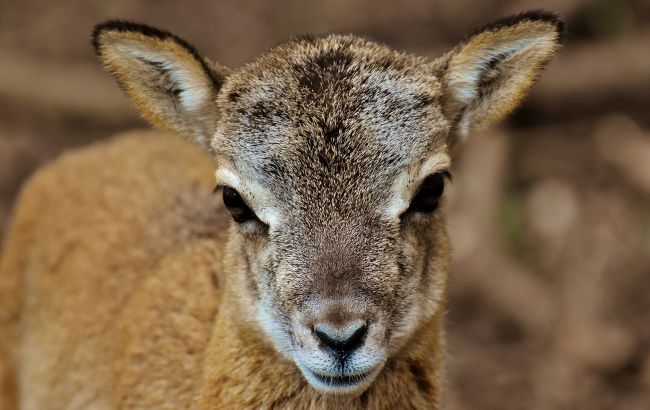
{"x": 172, "y": 86}
{"x": 489, "y": 73}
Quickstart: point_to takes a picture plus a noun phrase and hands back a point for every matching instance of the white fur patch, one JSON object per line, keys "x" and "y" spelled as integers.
{"x": 256, "y": 196}
{"x": 271, "y": 326}
{"x": 407, "y": 182}
{"x": 194, "y": 92}
{"x": 464, "y": 79}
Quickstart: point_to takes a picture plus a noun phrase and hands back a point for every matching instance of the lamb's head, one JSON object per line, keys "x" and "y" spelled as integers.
{"x": 333, "y": 154}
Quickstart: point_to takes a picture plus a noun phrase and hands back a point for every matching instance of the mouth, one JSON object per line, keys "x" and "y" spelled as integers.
{"x": 340, "y": 383}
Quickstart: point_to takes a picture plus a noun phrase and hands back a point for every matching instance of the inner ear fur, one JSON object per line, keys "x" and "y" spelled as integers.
{"x": 172, "y": 86}
{"x": 488, "y": 74}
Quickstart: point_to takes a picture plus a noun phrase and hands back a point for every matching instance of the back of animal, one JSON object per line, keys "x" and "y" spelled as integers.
{"x": 155, "y": 227}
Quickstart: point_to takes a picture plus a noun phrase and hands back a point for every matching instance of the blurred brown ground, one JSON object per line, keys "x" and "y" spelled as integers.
{"x": 550, "y": 290}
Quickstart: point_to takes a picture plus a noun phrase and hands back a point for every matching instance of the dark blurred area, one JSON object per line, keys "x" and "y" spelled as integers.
{"x": 550, "y": 212}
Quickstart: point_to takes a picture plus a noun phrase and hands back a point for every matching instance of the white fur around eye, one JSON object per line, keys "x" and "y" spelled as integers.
{"x": 405, "y": 184}
{"x": 256, "y": 196}
{"x": 225, "y": 176}
{"x": 399, "y": 200}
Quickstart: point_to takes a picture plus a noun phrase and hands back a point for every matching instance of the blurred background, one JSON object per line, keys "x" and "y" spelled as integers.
{"x": 550, "y": 213}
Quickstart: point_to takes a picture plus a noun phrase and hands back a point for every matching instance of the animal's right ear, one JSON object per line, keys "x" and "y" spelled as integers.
{"x": 173, "y": 87}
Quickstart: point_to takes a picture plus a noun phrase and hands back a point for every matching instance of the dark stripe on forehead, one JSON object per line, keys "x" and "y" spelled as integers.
{"x": 335, "y": 58}
{"x": 332, "y": 130}
{"x": 325, "y": 68}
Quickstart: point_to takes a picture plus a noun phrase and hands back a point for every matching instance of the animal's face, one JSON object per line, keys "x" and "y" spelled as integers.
{"x": 338, "y": 163}
{"x": 333, "y": 155}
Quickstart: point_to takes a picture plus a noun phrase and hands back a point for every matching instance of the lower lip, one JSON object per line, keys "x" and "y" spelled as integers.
{"x": 341, "y": 381}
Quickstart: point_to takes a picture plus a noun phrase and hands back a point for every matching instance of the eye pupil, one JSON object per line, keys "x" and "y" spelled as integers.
{"x": 236, "y": 205}
{"x": 428, "y": 197}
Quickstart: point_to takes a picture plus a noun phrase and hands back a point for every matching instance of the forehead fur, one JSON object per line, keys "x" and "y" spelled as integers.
{"x": 336, "y": 112}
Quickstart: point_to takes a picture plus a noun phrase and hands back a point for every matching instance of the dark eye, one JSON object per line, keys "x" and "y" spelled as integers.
{"x": 236, "y": 206}
{"x": 428, "y": 196}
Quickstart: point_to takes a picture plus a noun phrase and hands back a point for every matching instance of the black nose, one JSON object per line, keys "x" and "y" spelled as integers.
{"x": 342, "y": 341}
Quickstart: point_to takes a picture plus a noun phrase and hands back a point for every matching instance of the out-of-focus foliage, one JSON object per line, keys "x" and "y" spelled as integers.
{"x": 549, "y": 214}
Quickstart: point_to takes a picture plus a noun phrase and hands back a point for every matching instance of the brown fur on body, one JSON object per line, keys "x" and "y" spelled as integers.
{"x": 105, "y": 321}
{"x": 120, "y": 287}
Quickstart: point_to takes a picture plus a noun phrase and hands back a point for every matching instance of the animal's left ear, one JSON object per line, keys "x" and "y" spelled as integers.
{"x": 489, "y": 73}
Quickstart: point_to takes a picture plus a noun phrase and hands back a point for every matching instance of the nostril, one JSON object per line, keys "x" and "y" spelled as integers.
{"x": 357, "y": 337}
{"x": 342, "y": 341}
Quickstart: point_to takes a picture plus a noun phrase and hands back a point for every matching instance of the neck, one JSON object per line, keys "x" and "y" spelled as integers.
{"x": 242, "y": 370}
